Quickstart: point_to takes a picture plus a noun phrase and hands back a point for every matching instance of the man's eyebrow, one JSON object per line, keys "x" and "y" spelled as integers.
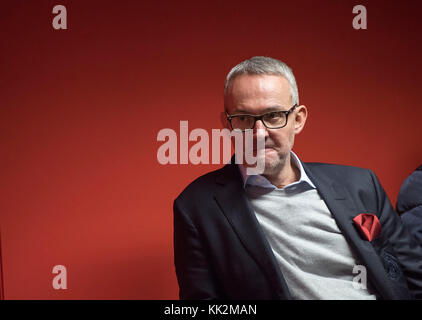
{"x": 269, "y": 109}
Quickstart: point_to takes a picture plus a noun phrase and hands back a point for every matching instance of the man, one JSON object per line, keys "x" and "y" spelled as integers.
{"x": 409, "y": 203}
{"x": 297, "y": 231}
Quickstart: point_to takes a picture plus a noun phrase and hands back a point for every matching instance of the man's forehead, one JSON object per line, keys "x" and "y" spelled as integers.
{"x": 266, "y": 90}
{"x": 249, "y": 85}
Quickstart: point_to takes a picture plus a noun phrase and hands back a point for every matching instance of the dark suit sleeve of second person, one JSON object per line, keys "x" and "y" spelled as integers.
{"x": 407, "y": 250}
{"x": 192, "y": 268}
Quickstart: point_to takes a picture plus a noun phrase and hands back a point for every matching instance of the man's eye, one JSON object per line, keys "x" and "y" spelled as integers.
{"x": 273, "y": 115}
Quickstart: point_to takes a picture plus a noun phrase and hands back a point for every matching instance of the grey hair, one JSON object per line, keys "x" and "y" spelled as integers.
{"x": 261, "y": 66}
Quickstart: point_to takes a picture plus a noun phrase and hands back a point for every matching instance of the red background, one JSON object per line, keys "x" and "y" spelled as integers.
{"x": 81, "y": 108}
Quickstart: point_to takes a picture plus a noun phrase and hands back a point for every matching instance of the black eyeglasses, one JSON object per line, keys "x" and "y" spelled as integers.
{"x": 271, "y": 120}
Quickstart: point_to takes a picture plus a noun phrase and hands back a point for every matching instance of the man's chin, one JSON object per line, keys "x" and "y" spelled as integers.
{"x": 269, "y": 161}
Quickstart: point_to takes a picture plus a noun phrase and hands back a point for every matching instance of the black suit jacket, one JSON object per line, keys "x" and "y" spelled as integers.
{"x": 221, "y": 252}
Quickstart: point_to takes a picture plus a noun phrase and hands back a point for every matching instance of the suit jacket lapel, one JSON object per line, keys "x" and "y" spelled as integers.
{"x": 338, "y": 201}
{"x": 234, "y": 204}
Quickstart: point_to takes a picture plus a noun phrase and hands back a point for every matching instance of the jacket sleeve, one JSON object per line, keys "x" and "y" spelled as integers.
{"x": 192, "y": 268}
{"x": 408, "y": 251}
{"x": 412, "y": 219}
{"x": 409, "y": 203}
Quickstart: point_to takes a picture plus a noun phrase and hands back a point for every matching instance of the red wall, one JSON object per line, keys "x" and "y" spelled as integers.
{"x": 80, "y": 110}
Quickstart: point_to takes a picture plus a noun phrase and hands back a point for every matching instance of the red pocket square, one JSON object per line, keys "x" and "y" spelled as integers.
{"x": 368, "y": 225}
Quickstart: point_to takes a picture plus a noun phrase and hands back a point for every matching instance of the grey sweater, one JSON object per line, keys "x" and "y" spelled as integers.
{"x": 314, "y": 257}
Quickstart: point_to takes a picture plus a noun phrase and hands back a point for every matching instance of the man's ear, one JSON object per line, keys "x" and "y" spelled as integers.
{"x": 301, "y": 114}
{"x": 224, "y": 122}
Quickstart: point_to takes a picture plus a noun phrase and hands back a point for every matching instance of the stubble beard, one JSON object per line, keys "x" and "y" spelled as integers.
{"x": 275, "y": 166}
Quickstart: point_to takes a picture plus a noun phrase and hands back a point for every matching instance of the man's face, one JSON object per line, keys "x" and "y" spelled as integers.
{"x": 259, "y": 94}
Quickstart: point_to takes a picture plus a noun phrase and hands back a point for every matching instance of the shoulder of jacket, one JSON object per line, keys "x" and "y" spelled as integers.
{"x": 336, "y": 167}
{"x": 202, "y": 185}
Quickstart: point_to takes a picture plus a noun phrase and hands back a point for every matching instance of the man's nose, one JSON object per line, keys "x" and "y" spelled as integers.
{"x": 260, "y": 125}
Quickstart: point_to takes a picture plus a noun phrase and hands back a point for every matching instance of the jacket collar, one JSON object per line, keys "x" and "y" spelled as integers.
{"x": 259, "y": 180}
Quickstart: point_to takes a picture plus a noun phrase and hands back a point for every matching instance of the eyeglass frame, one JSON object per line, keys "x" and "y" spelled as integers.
{"x": 259, "y": 117}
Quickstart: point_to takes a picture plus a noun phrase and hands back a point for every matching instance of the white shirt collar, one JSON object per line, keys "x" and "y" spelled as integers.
{"x": 261, "y": 181}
